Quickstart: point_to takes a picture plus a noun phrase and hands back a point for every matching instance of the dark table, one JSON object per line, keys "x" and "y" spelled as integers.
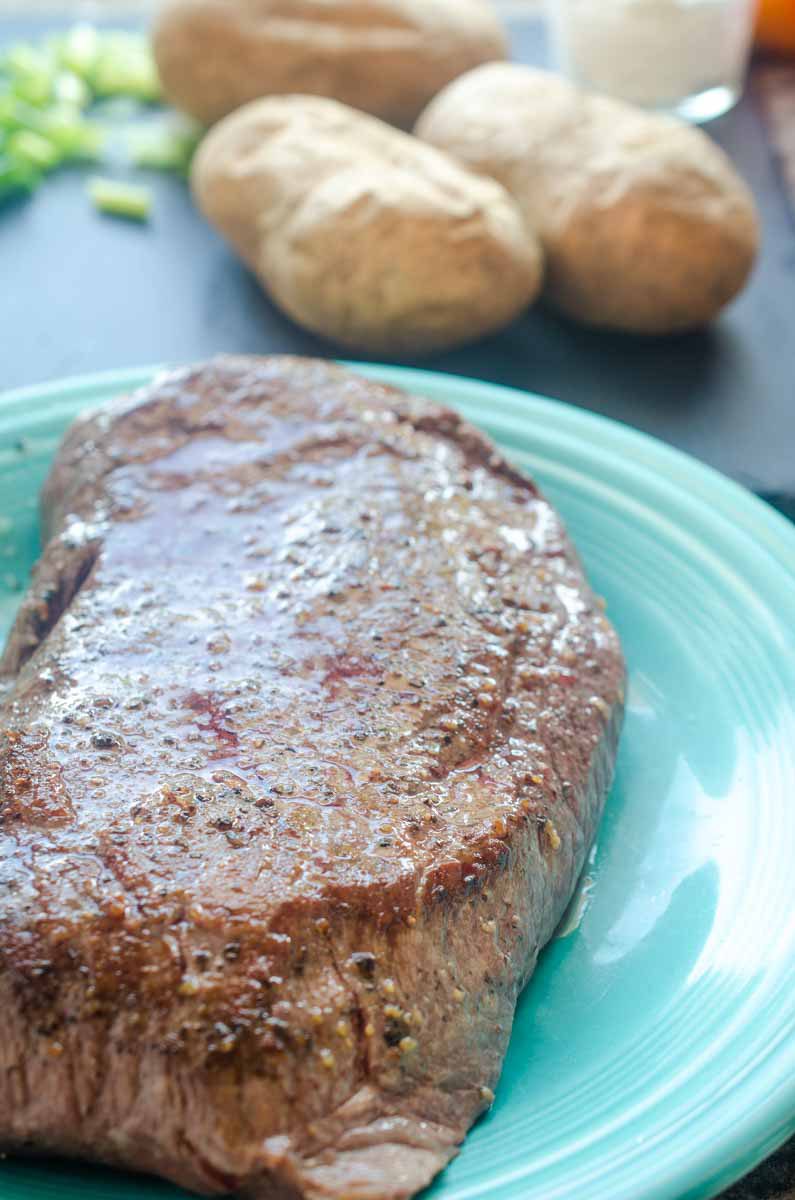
{"x": 83, "y": 293}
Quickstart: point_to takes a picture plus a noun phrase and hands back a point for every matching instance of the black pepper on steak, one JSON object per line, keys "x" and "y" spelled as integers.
{"x": 311, "y": 720}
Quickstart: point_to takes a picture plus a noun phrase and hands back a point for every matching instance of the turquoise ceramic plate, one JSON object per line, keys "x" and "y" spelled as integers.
{"x": 654, "y": 1050}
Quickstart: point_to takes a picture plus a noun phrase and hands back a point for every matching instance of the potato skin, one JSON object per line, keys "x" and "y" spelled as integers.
{"x": 361, "y": 232}
{"x": 645, "y": 224}
{"x": 386, "y": 57}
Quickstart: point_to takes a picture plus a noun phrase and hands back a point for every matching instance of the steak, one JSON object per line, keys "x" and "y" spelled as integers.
{"x": 310, "y": 721}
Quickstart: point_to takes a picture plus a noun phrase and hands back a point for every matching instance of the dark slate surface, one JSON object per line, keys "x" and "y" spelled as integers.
{"x": 81, "y": 293}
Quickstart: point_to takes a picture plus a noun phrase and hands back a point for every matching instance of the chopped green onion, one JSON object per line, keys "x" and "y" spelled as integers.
{"x": 46, "y": 90}
{"x": 75, "y": 137}
{"x": 16, "y": 176}
{"x": 69, "y": 88}
{"x": 32, "y": 148}
{"x": 125, "y": 67}
{"x": 18, "y": 114}
{"x": 78, "y": 50}
{"x": 121, "y": 199}
{"x": 163, "y": 149}
{"x": 30, "y": 73}
{"x": 15, "y": 114}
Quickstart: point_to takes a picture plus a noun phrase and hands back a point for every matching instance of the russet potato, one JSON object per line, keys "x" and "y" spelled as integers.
{"x": 363, "y": 233}
{"x": 386, "y": 57}
{"x": 645, "y": 223}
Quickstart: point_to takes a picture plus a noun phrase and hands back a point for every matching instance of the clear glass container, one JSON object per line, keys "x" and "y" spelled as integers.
{"x": 687, "y": 57}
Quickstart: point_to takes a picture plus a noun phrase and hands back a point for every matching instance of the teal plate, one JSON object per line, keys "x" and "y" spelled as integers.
{"x": 653, "y": 1055}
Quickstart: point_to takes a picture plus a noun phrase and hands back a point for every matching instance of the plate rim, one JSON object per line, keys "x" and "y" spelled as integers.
{"x": 698, "y": 1169}
{"x": 739, "y": 501}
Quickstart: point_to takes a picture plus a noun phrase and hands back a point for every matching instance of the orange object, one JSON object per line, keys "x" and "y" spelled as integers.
{"x": 775, "y": 25}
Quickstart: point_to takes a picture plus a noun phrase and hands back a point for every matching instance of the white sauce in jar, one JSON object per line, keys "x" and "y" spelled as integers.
{"x": 653, "y": 52}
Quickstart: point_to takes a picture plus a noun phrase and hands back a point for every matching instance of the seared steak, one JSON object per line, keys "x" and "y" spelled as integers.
{"x": 312, "y": 721}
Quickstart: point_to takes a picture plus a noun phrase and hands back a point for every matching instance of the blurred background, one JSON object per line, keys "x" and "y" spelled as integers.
{"x": 722, "y": 393}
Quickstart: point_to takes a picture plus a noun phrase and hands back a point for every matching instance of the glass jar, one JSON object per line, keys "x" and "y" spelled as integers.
{"x": 687, "y": 57}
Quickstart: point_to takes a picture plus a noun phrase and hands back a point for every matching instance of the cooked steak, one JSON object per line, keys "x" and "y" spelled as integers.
{"x": 312, "y": 721}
